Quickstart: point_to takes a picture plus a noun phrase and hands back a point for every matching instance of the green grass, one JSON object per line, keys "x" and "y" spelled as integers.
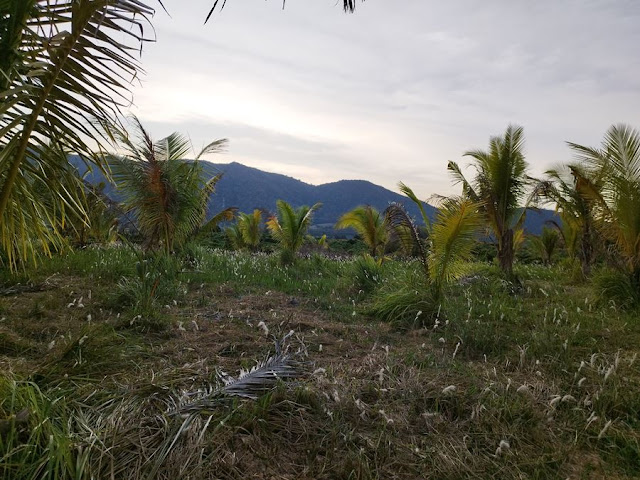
{"x": 538, "y": 379}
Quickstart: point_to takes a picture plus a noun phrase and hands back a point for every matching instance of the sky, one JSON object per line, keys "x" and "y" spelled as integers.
{"x": 393, "y": 91}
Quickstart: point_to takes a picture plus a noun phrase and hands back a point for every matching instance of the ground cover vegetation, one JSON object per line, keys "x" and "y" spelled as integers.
{"x": 458, "y": 348}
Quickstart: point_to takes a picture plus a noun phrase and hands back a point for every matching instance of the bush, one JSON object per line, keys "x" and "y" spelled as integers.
{"x": 367, "y": 273}
{"x": 616, "y": 287}
{"x": 412, "y": 305}
{"x": 154, "y": 285}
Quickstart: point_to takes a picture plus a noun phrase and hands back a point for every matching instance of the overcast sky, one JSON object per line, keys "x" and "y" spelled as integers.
{"x": 395, "y": 90}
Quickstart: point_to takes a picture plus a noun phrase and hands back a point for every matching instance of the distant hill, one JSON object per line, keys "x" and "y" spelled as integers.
{"x": 248, "y": 188}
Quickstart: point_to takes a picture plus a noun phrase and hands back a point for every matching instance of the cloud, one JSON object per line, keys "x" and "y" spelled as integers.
{"x": 395, "y": 90}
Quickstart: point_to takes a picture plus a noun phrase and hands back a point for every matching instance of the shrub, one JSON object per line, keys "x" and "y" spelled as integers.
{"x": 367, "y": 273}
{"x": 616, "y": 287}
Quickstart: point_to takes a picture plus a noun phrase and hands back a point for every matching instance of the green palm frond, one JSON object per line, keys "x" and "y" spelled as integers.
{"x": 217, "y": 146}
{"x": 575, "y": 191}
{"x": 167, "y": 195}
{"x": 370, "y": 224}
{"x": 234, "y": 235}
{"x": 412, "y": 196}
{"x": 226, "y": 215}
{"x": 545, "y": 244}
{"x": 453, "y": 237}
{"x": 498, "y": 187}
{"x": 247, "y": 231}
{"x": 616, "y": 189}
{"x": 459, "y": 177}
{"x": 67, "y": 67}
{"x": 290, "y": 226}
{"x": 403, "y": 226}
{"x": 250, "y": 226}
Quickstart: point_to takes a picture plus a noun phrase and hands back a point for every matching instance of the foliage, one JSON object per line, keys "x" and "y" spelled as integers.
{"x": 76, "y": 433}
{"x": 451, "y": 240}
{"x": 409, "y": 304}
{"x": 369, "y": 224}
{"x": 246, "y": 232}
{"x": 289, "y": 227}
{"x": 166, "y": 195}
{"x": 101, "y": 223}
{"x": 154, "y": 285}
{"x": 535, "y": 382}
{"x": 66, "y": 70}
{"x": 617, "y": 200}
{"x": 498, "y": 187}
{"x": 546, "y": 243}
{"x": 567, "y": 188}
{"x": 367, "y": 273}
{"x": 617, "y": 288}
{"x": 453, "y": 237}
{"x": 347, "y": 5}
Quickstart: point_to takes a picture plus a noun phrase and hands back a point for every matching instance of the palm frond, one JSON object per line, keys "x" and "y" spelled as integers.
{"x": 290, "y": 226}
{"x": 369, "y": 224}
{"x": 167, "y": 195}
{"x": 453, "y": 238}
{"x": 251, "y": 384}
{"x": 403, "y": 226}
{"x": 67, "y": 69}
{"x": 412, "y": 196}
{"x": 459, "y": 177}
{"x": 613, "y": 182}
{"x": 347, "y": 5}
{"x": 250, "y": 228}
{"x": 498, "y": 187}
{"x": 226, "y": 215}
{"x": 217, "y": 146}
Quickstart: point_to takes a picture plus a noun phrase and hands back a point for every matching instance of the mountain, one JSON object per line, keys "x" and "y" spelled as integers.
{"x": 248, "y": 188}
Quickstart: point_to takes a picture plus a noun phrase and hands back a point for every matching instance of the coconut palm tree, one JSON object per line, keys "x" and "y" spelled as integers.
{"x": 246, "y": 232}
{"x": 166, "y": 195}
{"x": 545, "y": 243}
{"x": 567, "y": 187}
{"x": 450, "y": 241}
{"x": 67, "y": 67}
{"x": 369, "y": 224}
{"x": 290, "y": 226}
{"x": 499, "y": 187}
{"x": 617, "y": 201}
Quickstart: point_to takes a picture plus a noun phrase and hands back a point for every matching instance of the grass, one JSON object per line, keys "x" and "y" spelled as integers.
{"x": 536, "y": 380}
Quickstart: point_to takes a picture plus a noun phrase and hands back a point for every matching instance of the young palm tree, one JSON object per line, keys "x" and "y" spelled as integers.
{"x": 246, "y": 232}
{"x": 250, "y": 227}
{"x": 66, "y": 69}
{"x": 166, "y": 194}
{"x": 565, "y": 187}
{"x": 290, "y": 226}
{"x": 545, "y": 244}
{"x": 617, "y": 201}
{"x": 453, "y": 237}
{"x": 450, "y": 241}
{"x": 499, "y": 186}
{"x": 371, "y": 226}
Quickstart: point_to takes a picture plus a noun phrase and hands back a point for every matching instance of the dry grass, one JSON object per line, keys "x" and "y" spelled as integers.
{"x": 500, "y": 387}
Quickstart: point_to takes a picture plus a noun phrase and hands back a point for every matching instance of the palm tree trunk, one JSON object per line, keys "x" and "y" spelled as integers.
{"x": 506, "y": 252}
{"x": 586, "y": 248}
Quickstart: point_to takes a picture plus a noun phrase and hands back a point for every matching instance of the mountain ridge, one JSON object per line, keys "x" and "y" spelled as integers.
{"x": 248, "y": 188}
